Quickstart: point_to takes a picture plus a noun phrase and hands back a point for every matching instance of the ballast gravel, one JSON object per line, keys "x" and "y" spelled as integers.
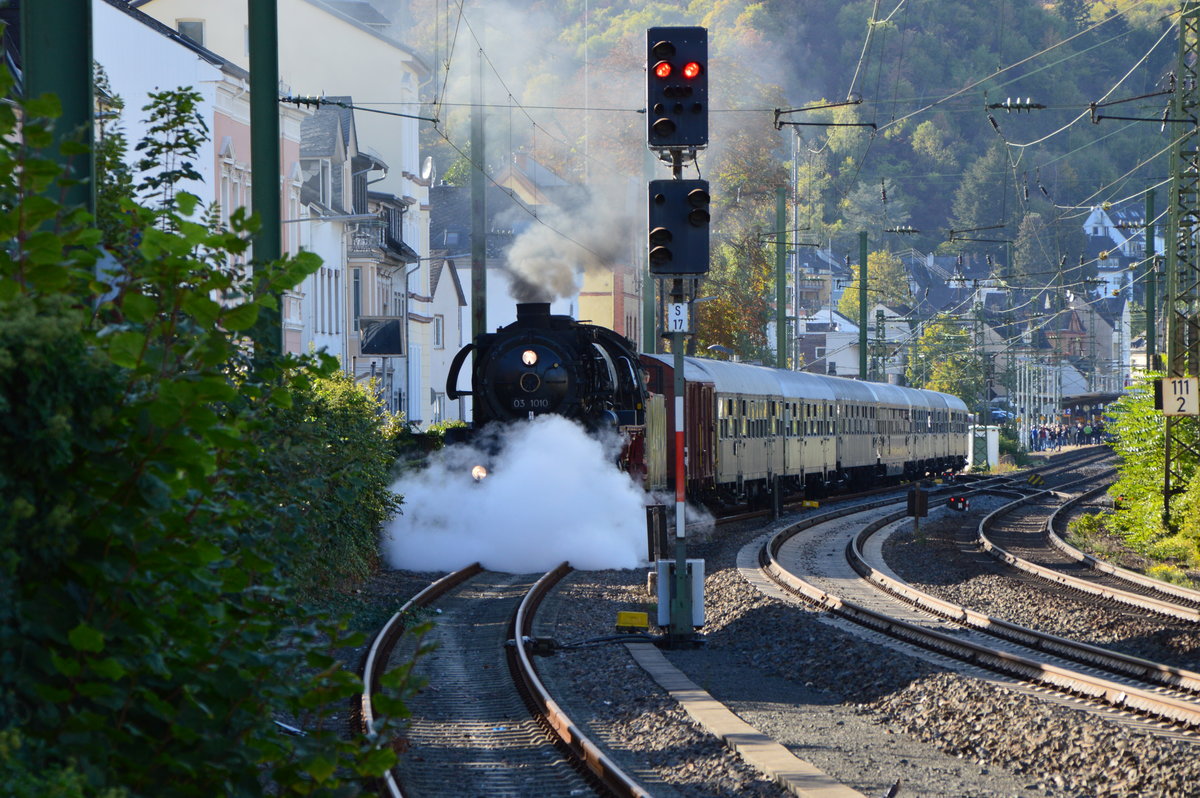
{"x": 867, "y": 714}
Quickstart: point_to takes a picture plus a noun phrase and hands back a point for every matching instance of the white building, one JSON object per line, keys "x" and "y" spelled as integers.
{"x": 348, "y": 49}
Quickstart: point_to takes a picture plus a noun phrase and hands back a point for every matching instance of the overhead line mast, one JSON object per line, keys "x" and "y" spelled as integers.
{"x": 1183, "y": 266}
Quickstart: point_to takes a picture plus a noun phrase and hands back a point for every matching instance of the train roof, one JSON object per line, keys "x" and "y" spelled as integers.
{"x": 806, "y": 384}
{"x": 888, "y": 394}
{"x": 693, "y": 371}
{"x": 746, "y": 378}
{"x": 729, "y": 377}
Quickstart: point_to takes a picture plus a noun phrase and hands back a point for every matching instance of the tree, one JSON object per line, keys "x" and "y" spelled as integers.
{"x": 1078, "y": 13}
{"x": 867, "y": 209}
{"x": 887, "y": 284}
{"x": 945, "y": 360}
{"x": 740, "y": 280}
{"x": 151, "y": 623}
{"x": 982, "y": 199}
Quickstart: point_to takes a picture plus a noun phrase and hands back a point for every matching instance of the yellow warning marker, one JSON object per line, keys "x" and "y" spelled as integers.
{"x": 633, "y": 621}
{"x": 1036, "y": 479}
{"x": 810, "y": 503}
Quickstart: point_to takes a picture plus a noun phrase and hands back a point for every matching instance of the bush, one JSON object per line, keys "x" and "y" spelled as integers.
{"x": 326, "y": 464}
{"x": 1010, "y": 446}
{"x": 155, "y": 517}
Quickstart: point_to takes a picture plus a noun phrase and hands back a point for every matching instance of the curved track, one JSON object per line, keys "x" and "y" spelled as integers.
{"x": 1021, "y": 535}
{"x": 484, "y": 725}
{"x": 822, "y": 562}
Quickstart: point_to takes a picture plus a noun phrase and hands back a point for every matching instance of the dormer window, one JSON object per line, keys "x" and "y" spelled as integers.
{"x": 317, "y": 174}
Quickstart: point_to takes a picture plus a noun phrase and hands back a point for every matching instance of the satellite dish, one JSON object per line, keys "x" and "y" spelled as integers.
{"x": 427, "y": 169}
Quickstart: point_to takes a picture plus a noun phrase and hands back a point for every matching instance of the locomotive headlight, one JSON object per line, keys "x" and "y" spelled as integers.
{"x": 479, "y": 473}
{"x": 529, "y": 357}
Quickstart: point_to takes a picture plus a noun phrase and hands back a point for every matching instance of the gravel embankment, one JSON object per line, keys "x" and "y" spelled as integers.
{"x": 861, "y": 711}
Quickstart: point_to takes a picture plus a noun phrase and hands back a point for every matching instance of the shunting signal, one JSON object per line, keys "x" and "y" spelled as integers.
{"x": 960, "y": 503}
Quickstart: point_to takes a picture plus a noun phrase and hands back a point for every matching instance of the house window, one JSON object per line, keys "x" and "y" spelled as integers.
{"x": 820, "y": 352}
{"x": 192, "y": 29}
{"x": 439, "y": 325}
{"x": 356, "y": 275}
{"x": 326, "y": 182}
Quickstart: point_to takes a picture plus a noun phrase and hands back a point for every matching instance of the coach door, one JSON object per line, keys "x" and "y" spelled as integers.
{"x": 733, "y": 441}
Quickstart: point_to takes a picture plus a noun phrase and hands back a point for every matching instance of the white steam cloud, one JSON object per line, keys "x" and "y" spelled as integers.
{"x": 554, "y": 494}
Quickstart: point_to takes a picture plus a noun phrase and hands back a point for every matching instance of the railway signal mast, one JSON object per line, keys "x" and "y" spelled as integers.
{"x": 678, "y": 251}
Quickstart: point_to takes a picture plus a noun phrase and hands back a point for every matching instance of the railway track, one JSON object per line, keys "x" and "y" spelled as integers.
{"x": 484, "y": 724}
{"x": 1022, "y": 535}
{"x": 823, "y": 562}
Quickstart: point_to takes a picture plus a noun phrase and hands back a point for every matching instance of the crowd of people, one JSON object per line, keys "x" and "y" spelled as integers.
{"x": 1053, "y": 437}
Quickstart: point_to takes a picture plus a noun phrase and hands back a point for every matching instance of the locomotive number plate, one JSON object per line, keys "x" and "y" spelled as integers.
{"x": 677, "y": 318}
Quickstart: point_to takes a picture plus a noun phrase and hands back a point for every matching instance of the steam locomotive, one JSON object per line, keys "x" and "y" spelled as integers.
{"x": 749, "y": 430}
{"x": 544, "y": 363}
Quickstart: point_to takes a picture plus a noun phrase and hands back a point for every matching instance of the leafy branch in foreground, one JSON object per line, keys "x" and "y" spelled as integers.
{"x": 150, "y": 633}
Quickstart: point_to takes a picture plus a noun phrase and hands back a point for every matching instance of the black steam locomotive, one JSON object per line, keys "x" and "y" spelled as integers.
{"x": 544, "y": 363}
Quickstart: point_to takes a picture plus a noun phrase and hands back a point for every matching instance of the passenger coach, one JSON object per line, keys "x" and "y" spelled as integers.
{"x": 749, "y": 428}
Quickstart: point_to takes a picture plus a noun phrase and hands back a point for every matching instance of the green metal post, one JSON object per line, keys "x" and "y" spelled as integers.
{"x": 862, "y": 305}
{"x": 264, "y": 157}
{"x": 650, "y": 341}
{"x": 1151, "y": 277}
{"x": 56, "y": 53}
{"x": 781, "y": 336}
{"x": 1183, "y": 262}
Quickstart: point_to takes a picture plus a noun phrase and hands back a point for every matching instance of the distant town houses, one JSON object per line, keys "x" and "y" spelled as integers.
{"x": 396, "y": 242}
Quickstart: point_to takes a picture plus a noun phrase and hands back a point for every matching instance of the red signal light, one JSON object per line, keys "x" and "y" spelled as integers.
{"x": 662, "y": 69}
{"x": 691, "y": 70}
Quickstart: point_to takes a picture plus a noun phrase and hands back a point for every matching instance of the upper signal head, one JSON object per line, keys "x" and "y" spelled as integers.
{"x": 676, "y": 88}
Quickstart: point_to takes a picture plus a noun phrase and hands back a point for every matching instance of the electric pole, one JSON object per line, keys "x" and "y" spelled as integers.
{"x": 1183, "y": 268}
{"x": 781, "y": 327}
{"x": 1150, "y": 275}
{"x": 56, "y": 53}
{"x": 478, "y": 202}
{"x": 862, "y": 305}
{"x": 263, "y": 33}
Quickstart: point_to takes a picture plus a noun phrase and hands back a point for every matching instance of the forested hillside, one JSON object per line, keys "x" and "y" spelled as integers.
{"x": 563, "y": 81}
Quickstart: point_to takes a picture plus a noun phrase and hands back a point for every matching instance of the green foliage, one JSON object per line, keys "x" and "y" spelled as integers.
{"x": 176, "y": 131}
{"x": 334, "y": 441}
{"x": 1139, "y": 441}
{"x": 1009, "y": 445}
{"x": 946, "y": 361}
{"x": 1088, "y": 526}
{"x": 1137, "y": 430}
{"x": 162, "y": 491}
{"x": 1172, "y": 574}
{"x": 887, "y": 284}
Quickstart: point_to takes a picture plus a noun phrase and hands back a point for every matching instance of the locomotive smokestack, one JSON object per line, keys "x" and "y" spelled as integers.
{"x": 533, "y": 314}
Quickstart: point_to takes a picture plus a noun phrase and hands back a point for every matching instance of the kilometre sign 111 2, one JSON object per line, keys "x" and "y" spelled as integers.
{"x": 1181, "y": 396}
